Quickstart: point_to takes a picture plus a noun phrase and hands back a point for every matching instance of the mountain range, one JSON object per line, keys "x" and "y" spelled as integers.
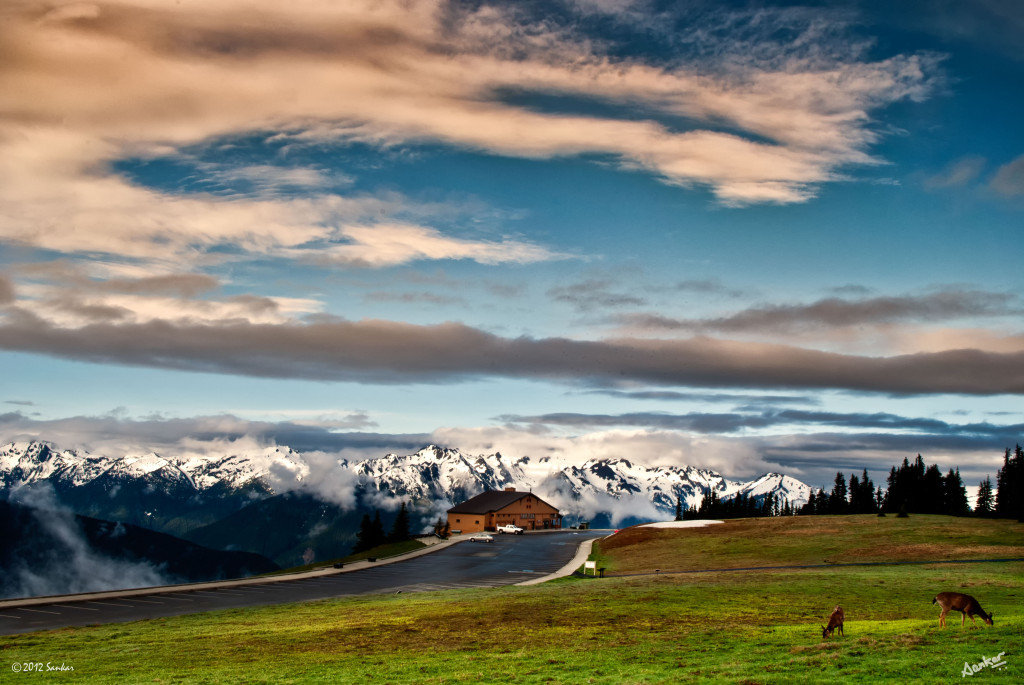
{"x": 288, "y": 505}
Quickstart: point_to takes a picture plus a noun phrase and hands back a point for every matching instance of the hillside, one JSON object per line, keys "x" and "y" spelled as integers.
{"x": 46, "y": 552}
{"x": 796, "y": 540}
{"x": 750, "y": 627}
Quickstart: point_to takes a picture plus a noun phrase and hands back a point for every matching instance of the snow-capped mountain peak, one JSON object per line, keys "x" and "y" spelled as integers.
{"x": 435, "y": 477}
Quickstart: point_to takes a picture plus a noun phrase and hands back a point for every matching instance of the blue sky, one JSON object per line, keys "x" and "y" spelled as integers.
{"x": 744, "y": 236}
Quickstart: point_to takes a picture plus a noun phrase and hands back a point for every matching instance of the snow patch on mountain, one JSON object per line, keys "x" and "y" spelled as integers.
{"x": 433, "y": 478}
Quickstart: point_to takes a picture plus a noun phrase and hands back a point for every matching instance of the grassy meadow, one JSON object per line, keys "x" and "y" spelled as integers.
{"x": 700, "y": 626}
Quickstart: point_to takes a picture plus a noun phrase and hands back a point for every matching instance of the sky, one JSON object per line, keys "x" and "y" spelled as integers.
{"x": 746, "y": 236}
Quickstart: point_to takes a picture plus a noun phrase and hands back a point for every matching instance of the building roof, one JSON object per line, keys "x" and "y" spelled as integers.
{"x": 489, "y": 501}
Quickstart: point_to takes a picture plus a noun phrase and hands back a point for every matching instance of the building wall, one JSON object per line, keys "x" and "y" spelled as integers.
{"x": 529, "y": 513}
{"x": 467, "y": 523}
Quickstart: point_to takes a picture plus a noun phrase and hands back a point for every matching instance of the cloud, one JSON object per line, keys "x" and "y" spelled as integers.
{"x": 704, "y": 397}
{"x": 413, "y": 298}
{"x": 1009, "y": 178}
{"x": 835, "y": 312}
{"x": 707, "y": 286}
{"x": 650, "y": 447}
{"x": 593, "y": 294}
{"x": 740, "y": 422}
{"x": 382, "y": 245}
{"x": 7, "y": 295}
{"x": 96, "y": 84}
{"x": 340, "y": 433}
{"x": 71, "y": 566}
{"x": 374, "y": 351}
{"x": 957, "y": 174}
{"x": 322, "y": 475}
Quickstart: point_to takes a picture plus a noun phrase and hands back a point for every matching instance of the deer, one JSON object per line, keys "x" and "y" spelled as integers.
{"x": 834, "y": 621}
{"x": 965, "y": 604}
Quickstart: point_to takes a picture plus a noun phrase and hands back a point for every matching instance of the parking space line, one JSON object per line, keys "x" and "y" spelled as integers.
{"x": 73, "y": 606}
{"x": 40, "y": 611}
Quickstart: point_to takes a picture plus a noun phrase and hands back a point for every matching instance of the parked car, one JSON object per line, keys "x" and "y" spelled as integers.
{"x": 510, "y": 528}
{"x": 481, "y": 537}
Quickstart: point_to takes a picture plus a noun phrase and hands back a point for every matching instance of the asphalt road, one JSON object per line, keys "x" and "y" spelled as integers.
{"x": 510, "y": 559}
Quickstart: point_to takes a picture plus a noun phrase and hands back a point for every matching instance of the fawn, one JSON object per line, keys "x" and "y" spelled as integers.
{"x": 834, "y": 621}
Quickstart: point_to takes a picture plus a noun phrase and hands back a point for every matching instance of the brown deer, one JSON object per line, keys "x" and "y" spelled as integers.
{"x": 834, "y": 621}
{"x": 965, "y": 604}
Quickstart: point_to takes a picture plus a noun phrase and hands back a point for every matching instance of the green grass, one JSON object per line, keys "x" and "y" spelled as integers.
{"x": 754, "y": 627}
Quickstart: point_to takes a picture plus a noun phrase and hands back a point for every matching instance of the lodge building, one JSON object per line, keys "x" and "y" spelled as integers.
{"x": 495, "y": 508}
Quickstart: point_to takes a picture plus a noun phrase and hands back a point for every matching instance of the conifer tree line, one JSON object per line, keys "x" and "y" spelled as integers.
{"x": 740, "y": 506}
{"x": 371, "y": 531}
{"x": 912, "y": 488}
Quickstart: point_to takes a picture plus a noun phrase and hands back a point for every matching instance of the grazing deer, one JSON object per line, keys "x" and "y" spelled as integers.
{"x": 834, "y": 621}
{"x": 965, "y": 604}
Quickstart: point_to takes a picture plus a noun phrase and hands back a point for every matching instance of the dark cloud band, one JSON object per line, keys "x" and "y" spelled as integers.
{"x": 387, "y": 352}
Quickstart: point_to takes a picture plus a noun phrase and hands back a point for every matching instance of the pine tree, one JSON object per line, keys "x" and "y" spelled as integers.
{"x": 679, "y": 508}
{"x": 932, "y": 492}
{"x": 1010, "y": 486}
{"x": 837, "y": 503}
{"x": 954, "y": 495}
{"x": 363, "y": 537}
{"x": 377, "y": 536}
{"x": 983, "y": 504}
{"x": 400, "y": 528}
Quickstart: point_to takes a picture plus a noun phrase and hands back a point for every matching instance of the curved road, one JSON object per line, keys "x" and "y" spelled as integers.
{"x": 510, "y": 559}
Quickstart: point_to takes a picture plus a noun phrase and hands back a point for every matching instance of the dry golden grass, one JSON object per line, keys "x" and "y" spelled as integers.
{"x": 801, "y": 540}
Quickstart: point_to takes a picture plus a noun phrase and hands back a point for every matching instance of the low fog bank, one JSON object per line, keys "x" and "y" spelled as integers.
{"x": 46, "y": 552}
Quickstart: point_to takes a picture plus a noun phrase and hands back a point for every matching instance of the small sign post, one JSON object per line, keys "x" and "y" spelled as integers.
{"x": 590, "y": 565}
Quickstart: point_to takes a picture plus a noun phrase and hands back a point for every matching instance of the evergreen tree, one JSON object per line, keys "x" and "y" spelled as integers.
{"x": 377, "y": 536}
{"x": 364, "y": 536}
{"x": 862, "y": 494}
{"x": 679, "y": 508}
{"x": 915, "y": 488}
{"x": 985, "y": 500}
{"x": 1010, "y": 486}
{"x": 400, "y": 528}
{"x": 955, "y": 495}
{"x": 932, "y": 492}
{"x": 837, "y": 503}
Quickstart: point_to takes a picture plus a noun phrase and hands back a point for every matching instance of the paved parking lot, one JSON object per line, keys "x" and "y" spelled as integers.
{"x": 510, "y": 559}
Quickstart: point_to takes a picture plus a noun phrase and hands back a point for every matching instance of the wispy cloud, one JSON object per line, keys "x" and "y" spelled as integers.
{"x": 1009, "y": 178}
{"x": 188, "y": 74}
{"x": 704, "y": 397}
{"x": 836, "y": 312}
{"x": 957, "y": 174}
{"x": 594, "y": 294}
